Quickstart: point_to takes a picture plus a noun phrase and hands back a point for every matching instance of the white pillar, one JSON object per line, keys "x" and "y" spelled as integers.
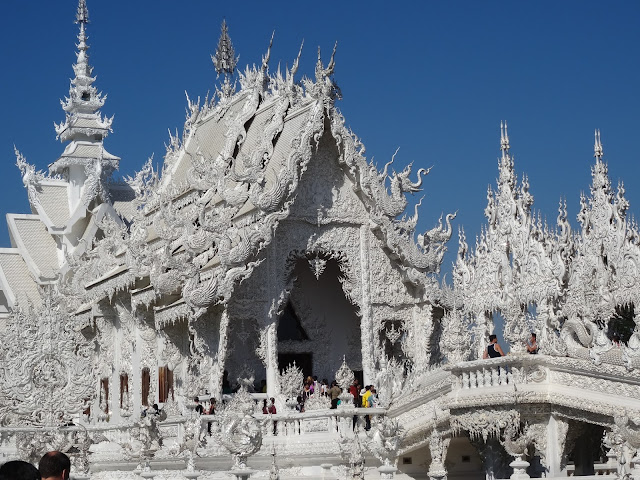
{"x": 366, "y": 322}
{"x": 438, "y": 447}
{"x": 272, "y": 360}
{"x": 217, "y": 369}
{"x": 553, "y": 455}
{"x": 422, "y": 325}
{"x": 136, "y": 371}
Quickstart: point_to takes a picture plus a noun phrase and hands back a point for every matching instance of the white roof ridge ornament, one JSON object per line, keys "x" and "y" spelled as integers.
{"x": 597, "y": 146}
{"x": 82, "y": 15}
{"x": 267, "y": 56}
{"x": 225, "y": 60}
{"x": 504, "y": 139}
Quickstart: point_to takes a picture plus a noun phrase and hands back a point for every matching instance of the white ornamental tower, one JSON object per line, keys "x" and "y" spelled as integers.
{"x": 84, "y": 163}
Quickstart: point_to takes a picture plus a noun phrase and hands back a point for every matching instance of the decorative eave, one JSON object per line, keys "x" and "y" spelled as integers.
{"x": 116, "y": 280}
{"x": 85, "y": 153}
{"x": 83, "y": 125}
{"x": 170, "y": 314}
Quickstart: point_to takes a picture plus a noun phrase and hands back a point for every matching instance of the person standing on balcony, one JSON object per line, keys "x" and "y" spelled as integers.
{"x": 334, "y": 394}
{"x": 211, "y": 411}
{"x": 532, "y": 344}
{"x": 354, "y": 390}
{"x": 493, "y": 350}
{"x": 199, "y": 407}
{"x": 366, "y": 394}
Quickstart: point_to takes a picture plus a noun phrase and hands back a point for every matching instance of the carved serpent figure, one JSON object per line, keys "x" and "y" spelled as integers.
{"x": 585, "y": 340}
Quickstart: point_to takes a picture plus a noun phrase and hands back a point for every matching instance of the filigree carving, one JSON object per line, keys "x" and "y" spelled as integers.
{"x": 46, "y": 365}
{"x": 456, "y": 337}
{"x": 239, "y": 432}
{"x": 384, "y": 440}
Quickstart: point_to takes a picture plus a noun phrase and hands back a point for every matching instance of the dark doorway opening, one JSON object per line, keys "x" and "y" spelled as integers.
{"x": 289, "y": 325}
{"x": 304, "y": 361}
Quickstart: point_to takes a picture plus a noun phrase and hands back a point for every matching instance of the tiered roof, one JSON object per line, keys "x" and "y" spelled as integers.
{"x": 67, "y": 205}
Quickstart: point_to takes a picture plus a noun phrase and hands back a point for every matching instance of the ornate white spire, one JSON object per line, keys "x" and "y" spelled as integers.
{"x": 84, "y": 159}
{"x": 82, "y": 15}
{"x": 84, "y": 101}
{"x": 597, "y": 146}
{"x": 504, "y": 139}
{"x": 225, "y": 59}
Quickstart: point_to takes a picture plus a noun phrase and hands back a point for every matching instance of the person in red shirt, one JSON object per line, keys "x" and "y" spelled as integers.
{"x": 354, "y": 390}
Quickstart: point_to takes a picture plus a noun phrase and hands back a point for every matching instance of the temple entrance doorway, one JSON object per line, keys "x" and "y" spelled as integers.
{"x": 318, "y": 325}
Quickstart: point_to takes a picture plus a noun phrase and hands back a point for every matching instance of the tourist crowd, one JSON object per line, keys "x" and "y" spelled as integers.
{"x": 53, "y": 466}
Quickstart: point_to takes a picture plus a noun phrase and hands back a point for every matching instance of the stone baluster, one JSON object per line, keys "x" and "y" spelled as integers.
{"x": 502, "y": 375}
{"x": 487, "y": 377}
{"x": 495, "y": 377}
{"x": 473, "y": 383}
{"x": 481, "y": 377}
{"x": 267, "y": 428}
{"x": 465, "y": 380}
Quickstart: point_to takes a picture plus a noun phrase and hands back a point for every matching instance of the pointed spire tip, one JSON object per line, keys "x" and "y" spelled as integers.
{"x": 82, "y": 14}
{"x": 597, "y": 145}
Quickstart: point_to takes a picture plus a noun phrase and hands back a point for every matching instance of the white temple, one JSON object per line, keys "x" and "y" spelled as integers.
{"x": 269, "y": 248}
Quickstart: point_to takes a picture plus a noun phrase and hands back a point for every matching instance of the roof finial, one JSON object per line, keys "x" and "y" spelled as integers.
{"x": 225, "y": 59}
{"x": 296, "y": 62}
{"x": 82, "y": 15}
{"x": 504, "y": 138}
{"x": 267, "y": 57}
{"x": 323, "y": 73}
{"x": 597, "y": 145}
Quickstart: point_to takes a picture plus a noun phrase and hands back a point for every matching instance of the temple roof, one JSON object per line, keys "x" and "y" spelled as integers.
{"x": 234, "y": 177}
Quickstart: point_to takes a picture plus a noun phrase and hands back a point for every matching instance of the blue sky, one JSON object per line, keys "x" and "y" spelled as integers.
{"x": 433, "y": 78}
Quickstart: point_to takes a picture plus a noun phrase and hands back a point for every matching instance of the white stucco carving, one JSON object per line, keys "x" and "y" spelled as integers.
{"x": 269, "y": 247}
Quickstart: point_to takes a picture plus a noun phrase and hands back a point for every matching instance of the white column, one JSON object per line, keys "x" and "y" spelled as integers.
{"x": 553, "y": 455}
{"x": 136, "y": 371}
{"x": 272, "y": 360}
{"x": 422, "y": 325}
{"x": 438, "y": 447}
{"x": 114, "y": 380}
{"x": 217, "y": 368}
{"x": 366, "y": 322}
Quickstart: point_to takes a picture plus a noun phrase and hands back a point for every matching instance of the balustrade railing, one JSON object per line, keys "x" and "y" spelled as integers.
{"x": 291, "y": 423}
{"x": 331, "y": 422}
{"x": 525, "y": 369}
{"x": 601, "y": 471}
{"x": 501, "y": 372}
